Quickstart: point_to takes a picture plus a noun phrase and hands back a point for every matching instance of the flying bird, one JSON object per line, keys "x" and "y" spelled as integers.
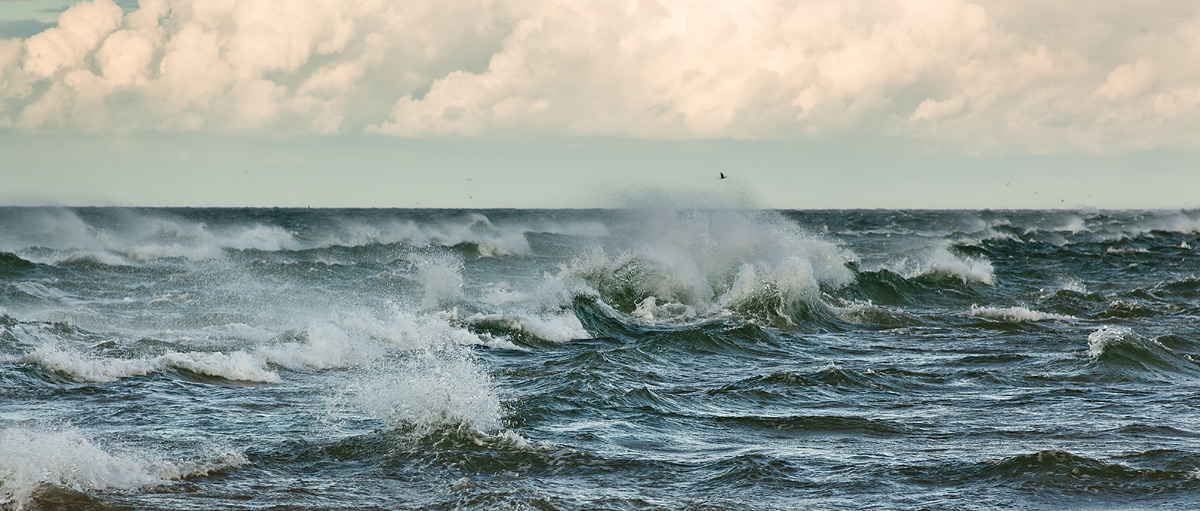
{"x": 722, "y": 175}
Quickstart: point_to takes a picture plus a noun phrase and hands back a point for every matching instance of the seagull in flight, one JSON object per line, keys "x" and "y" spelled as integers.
{"x": 722, "y": 175}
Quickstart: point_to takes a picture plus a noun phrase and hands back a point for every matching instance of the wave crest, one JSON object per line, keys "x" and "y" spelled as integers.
{"x": 699, "y": 263}
{"x": 1121, "y": 347}
{"x": 236, "y": 366}
{"x": 31, "y": 459}
{"x": 1017, "y": 314}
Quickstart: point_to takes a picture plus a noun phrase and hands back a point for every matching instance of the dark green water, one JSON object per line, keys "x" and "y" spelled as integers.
{"x": 625, "y": 359}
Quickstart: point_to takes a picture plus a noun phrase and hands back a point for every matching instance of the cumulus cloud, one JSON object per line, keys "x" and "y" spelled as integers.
{"x": 1003, "y": 76}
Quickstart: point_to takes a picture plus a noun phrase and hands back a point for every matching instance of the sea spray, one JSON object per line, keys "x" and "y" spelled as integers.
{"x": 711, "y": 261}
{"x": 64, "y": 457}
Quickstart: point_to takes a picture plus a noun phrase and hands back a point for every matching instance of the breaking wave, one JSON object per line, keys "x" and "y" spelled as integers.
{"x": 33, "y": 460}
{"x": 236, "y": 366}
{"x": 683, "y": 265}
{"x": 1015, "y": 314}
{"x": 430, "y": 390}
{"x": 1121, "y": 347}
{"x": 121, "y": 237}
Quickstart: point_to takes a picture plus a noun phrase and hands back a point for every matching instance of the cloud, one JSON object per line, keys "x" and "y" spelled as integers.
{"x": 1011, "y": 76}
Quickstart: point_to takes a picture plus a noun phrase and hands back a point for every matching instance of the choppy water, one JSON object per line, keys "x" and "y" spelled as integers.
{"x": 631, "y": 359}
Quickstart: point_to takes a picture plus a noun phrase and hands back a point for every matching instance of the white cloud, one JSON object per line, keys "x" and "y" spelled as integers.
{"x": 80, "y": 28}
{"x": 1128, "y": 80}
{"x": 933, "y": 109}
{"x": 1009, "y": 76}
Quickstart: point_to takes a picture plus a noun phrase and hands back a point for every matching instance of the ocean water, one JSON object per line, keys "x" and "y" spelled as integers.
{"x": 599, "y": 359}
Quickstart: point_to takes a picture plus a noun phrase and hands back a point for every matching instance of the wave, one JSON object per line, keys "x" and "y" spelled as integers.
{"x": 235, "y": 366}
{"x": 429, "y": 390}
{"x": 1017, "y": 314}
{"x": 837, "y": 424}
{"x": 1075, "y": 474}
{"x": 1185, "y": 287}
{"x": 120, "y": 236}
{"x": 1122, "y": 348}
{"x": 681, "y": 265}
{"x": 868, "y": 313}
{"x": 1106, "y": 226}
{"x": 441, "y": 278}
{"x": 749, "y": 471}
{"x": 12, "y": 264}
{"x": 352, "y": 341}
{"x": 526, "y": 328}
{"x": 34, "y": 462}
{"x": 939, "y": 263}
{"x": 123, "y": 237}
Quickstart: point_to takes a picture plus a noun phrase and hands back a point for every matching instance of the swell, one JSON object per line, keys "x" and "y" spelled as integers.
{"x": 1066, "y": 473}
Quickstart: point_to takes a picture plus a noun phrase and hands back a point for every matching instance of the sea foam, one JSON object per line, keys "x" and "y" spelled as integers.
{"x": 325, "y": 346}
{"x": 238, "y": 365}
{"x": 30, "y": 459}
{"x": 431, "y": 389}
{"x": 710, "y": 261}
{"x": 441, "y": 278}
{"x": 1016, "y": 314}
{"x": 939, "y": 261}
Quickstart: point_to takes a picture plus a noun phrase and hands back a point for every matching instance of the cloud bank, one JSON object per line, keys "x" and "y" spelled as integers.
{"x": 1006, "y": 76}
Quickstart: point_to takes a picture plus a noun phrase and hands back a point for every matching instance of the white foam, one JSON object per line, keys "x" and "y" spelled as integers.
{"x": 239, "y": 365}
{"x": 940, "y": 261}
{"x": 499, "y": 294}
{"x": 405, "y": 330}
{"x": 1073, "y": 284}
{"x": 121, "y": 236}
{"x": 649, "y": 310}
{"x": 174, "y": 298}
{"x": 79, "y": 256}
{"x": 66, "y": 458}
{"x": 866, "y": 312}
{"x": 991, "y": 234}
{"x": 1102, "y": 339}
{"x": 432, "y": 388}
{"x": 1072, "y": 224}
{"x": 441, "y": 278}
{"x": 1126, "y": 251}
{"x": 1017, "y": 314}
{"x": 711, "y": 261}
{"x": 326, "y": 346}
{"x": 88, "y": 368}
{"x": 560, "y": 328}
{"x": 476, "y": 228}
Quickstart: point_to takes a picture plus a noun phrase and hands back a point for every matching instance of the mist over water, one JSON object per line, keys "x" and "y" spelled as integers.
{"x": 648, "y": 358}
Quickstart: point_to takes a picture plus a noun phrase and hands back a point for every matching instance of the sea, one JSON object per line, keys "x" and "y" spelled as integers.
{"x": 650, "y": 357}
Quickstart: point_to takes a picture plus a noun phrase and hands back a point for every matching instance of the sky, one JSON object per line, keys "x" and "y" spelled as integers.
{"x": 600, "y": 103}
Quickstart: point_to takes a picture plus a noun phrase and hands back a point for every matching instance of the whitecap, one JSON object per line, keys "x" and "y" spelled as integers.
{"x": 941, "y": 262}
{"x": 559, "y": 328}
{"x": 32, "y": 458}
{"x": 238, "y": 365}
{"x": 710, "y": 262}
{"x": 325, "y": 346}
{"x": 1104, "y": 338}
{"x": 431, "y": 389}
{"x": 441, "y": 278}
{"x": 1016, "y": 314}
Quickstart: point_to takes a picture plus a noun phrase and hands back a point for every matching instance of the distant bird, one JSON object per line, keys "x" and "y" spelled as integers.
{"x": 722, "y": 175}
